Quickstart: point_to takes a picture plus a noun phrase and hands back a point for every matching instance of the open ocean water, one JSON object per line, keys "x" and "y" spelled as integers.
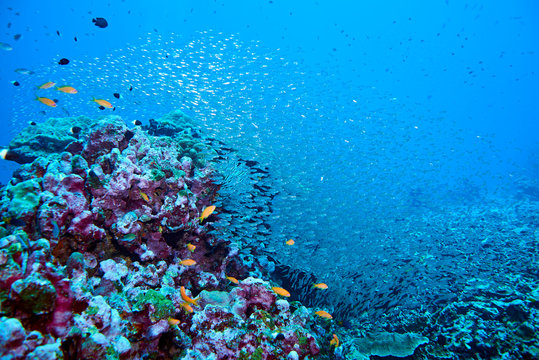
{"x": 395, "y": 142}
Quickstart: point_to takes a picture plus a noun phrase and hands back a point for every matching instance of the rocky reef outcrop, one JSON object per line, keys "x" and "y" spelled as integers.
{"x": 103, "y": 253}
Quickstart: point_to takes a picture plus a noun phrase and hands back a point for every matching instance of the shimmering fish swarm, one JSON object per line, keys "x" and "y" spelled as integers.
{"x": 91, "y": 247}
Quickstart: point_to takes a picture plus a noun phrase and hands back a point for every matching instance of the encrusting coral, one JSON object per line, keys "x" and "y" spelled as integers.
{"x": 94, "y": 250}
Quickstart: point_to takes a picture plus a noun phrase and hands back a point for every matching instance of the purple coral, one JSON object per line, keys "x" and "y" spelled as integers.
{"x": 118, "y": 208}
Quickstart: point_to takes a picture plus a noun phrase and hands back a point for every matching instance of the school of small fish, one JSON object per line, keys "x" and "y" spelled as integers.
{"x": 336, "y": 168}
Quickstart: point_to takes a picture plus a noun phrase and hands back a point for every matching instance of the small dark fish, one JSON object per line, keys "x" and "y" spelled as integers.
{"x": 63, "y": 61}
{"x": 7, "y": 154}
{"x": 17, "y": 36}
{"x": 137, "y": 122}
{"x": 101, "y": 108}
{"x": 100, "y": 22}
{"x": 93, "y": 179}
{"x": 58, "y": 32}
{"x": 8, "y": 25}
{"x": 55, "y": 100}
{"x": 75, "y": 38}
{"x": 75, "y": 130}
{"x": 32, "y": 123}
{"x": 116, "y": 95}
{"x": 42, "y": 112}
{"x": 15, "y": 83}
{"x": 131, "y": 88}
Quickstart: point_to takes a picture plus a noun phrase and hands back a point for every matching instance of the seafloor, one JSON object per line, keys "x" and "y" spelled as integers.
{"x": 100, "y": 224}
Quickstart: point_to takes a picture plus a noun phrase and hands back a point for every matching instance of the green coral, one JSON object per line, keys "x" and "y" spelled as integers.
{"x": 36, "y": 294}
{"x": 386, "y": 344}
{"x": 112, "y": 354}
{"x": 92, "y": 310}
{"x": 163, "y": 306}
{"x": 4, "y": 295}
{"x": 156, "y": 174}
{"x": 257, "y": 354}
{"x": 3, "y": 232}
{"x": 79, "y": 163}
{"x": 24, "y": 197}
{"x": 43, "y": 139}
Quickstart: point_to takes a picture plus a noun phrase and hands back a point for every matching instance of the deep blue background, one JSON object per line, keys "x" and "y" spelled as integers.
{"x": 474, "y": 61}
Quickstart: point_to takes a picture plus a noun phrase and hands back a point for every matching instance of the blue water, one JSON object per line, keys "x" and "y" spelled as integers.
{"x": 392, "y": 131}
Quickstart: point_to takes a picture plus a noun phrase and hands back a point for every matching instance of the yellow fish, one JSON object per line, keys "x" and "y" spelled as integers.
{"x": 187, "y": 298}
{"x": 232, "y": 279}
{"x": 46, "y": 101}
{"x": 47, "y": 85}
{"x": 280, "y": 291}
{"x": 191, "y": 247}
{"x": 187, "y": 307}
{"x": 324, "y": 314}
{"x": 320, "y": 286}
{"x": 103, "y": 103}
{"x": 144, "y": 196}
{"x": 172, "y": 321}
{"x": 188, "y": 262}
{"x": 290, "y": 242}
{"x": 334, "y": 341}
{"x": 67, "y": 89}
{"x": 207, "y": 212}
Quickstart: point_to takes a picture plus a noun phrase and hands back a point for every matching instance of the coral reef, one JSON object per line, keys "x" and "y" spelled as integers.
{"x": 387, "y": 344}
{"x": 96, "y": 230}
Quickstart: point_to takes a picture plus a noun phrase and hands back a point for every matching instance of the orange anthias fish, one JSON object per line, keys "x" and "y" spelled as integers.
{"x": 172, "y": 321}
{"x": 207, "y": 212}
{"x": 67, "y": 89}
{"x": 290, "y": 242}
{"x": 188, "y": 262}
{"x": 46, "y": 101}
{"x": 320, "y": 286}
{"x": 280, "y": 291}
{"x": 334, "y": 341}
{"x": 324, "y": 314}
{"x": 191, "y": 247}
{"x": 103, "y": 103}
{"x": 232, "y": 279}
{"x": 187, "y": 307}
{"x": 144, "y": 196}
{"x": 187, "y": 298}
{"x": 47, "y": 85}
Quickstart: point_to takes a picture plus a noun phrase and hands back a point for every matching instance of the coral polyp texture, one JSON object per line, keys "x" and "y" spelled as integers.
{"x": 104, "y": 255}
